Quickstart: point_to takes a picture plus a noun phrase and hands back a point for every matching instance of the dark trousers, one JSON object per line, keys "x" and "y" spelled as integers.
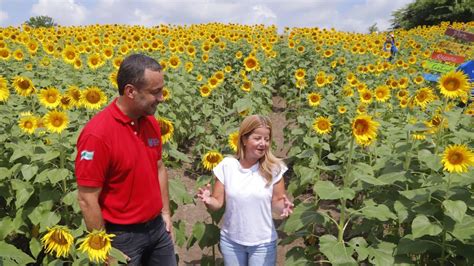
{"x": 145, "y": 244}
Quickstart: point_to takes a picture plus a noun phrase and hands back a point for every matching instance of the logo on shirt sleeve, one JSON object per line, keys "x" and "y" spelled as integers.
{"x": 87, "y": 155}
{"x": 153, "y": 142}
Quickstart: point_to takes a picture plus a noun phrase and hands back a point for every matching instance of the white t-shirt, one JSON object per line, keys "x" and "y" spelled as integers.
{"x": 248, "y": 213}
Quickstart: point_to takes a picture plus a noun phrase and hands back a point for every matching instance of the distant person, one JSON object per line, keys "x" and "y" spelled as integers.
{"x": 393, "y": 48}
{"x": 122, "y": 180}
{"x": 252, "y": 186}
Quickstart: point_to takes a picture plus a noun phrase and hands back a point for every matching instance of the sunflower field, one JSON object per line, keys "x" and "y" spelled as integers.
{"x": 381, "y": 160}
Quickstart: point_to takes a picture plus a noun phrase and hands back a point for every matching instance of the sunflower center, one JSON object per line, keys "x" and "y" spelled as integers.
{"x": 70, "y": 55}
{"x": 93, "y": 97}
{"x": 451, "y": 84}
{"x": 96, "y": 242}
{"x": 24, "y": 84}
{"x": 59, "y": 238}
{"x": 421, "y": 96}
{"x": 455, "y": 158}
{"x": 213, "y": 158}
{"x": 165, "y": 129}
{"x": 361, "y": 127}
{"x": 28, "y": 124}
{"x": 51, "y": 98}
{"x": 65, "y": 100}
{"x": 251, "y": 63}
{"x": 323, "y": 125}
{"x": 57, "y": 121}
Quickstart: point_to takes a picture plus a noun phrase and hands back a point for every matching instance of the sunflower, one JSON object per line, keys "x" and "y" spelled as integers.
{"x": 250, "y": 63}
{"x": 322, "y": 125}
{"x": 211, "y": 159}
{"x": 227, "y": 69}
{"x": 219, "y": 75}
{"x": 301, "y": 83}
{"x": 457, "y": 158}
{"x": 314, "y": 99}
{"x": 28, "y": 124}
{"x": 113, "y": 79}
{"x": 166, "y": 94}
{"x": 423, "y": 97}
{"x": 49, "y": 97}
{"x": 364, "y": 129}
{"x": 454, "y": 84}
{"x": 418, "y": 80}
{"x": 93, "y": 98}
{"x": 205, "y": 90}
{"x": 75, "y": 94}
{"x": 4, "y": 91}
{"x": 56, "y": 121}
{"x": 233, "y": 140}
{"x": 188, "y": 66}
{"x": 213, "y": 82}
{"x": 65, "y": 102}
{"x": 174, "y": 62}
{"x": 341, "y": 109}
{"x": 167, "y": 129}
{"x": 382, "y": 93}
{"x": 238, "y": 55}
{"x": 117, "y": 61}
{"x": 18, "y": 54}
{"x": 94, "y": 61}
{"x": 418, "y": 136}
{"x": 347, "y": 91}
{"x": 246, "y": 86}
{"x": 365, "y": 96}
{"x": 320, "y": 80}
{"x": 5, "y": 53}
{"x": 69, "y": 54}
{"x": 97, "y": 244}
{"x": 58, "y": 239}
{"x": 23, "y": 86}
{"x": 300, "y": 73}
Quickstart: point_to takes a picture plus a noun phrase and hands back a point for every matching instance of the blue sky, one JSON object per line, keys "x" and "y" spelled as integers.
{"x": 345, "y": 15}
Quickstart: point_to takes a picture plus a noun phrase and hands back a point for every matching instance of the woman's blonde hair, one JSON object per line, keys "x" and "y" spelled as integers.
{"x": 269, "y": 163}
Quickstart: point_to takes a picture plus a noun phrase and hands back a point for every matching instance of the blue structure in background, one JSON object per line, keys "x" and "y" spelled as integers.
{"x": 468, "y": 68}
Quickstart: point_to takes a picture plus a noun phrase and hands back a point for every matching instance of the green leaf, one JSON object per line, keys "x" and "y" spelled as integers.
{"x": 4, "y": 173}
{"x": 23, "y": 192}
{"x": 303, "y": 214}
{"x": 305, "y": 174}
{"x": 179, "y": 155}
{"x": 359, "y": 244}
{"x": 48, "y": 220}
{"x": 336, "y": 252}
{"x": 210, "y": 237}
{"x": 57, "y": 175}
{"x": 401, "y": 210}
{"x": 421, "y": 226}
{"x": 326, "y": 190}
{"x": 455, "y": 209}
{"x": 28, "y": 171}
{"x": 465, "y": 229}
{"x": 180, "y": 232}
{"x": 379, "y": 212}
{"x": 431, "y": 160}
{"x": 407, "y": 245}
{"x": 18, "y": 153}
{"x": 14, "y": 255}
{"x": 118, "y": 255}
{"x": 198, "y": 230}
{"x": 178, "y": 192}
{"x": 390, "y": 178}
{"x": 382, "y": 254}
{"x": 35, "y": 247}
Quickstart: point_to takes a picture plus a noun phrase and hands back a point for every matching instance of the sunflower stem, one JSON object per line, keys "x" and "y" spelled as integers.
{"x": 342, "y": 217}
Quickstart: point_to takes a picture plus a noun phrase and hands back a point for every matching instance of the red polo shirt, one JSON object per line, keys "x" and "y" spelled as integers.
{"x": 121, "y": 157}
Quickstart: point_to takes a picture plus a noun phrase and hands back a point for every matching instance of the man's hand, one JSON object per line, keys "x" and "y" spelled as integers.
{"x": 168, "y": 223}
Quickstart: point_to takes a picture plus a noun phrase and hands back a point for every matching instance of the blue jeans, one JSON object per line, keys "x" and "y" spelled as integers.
{"x": 260, "y": 255}
{"x": 144, "y": 244}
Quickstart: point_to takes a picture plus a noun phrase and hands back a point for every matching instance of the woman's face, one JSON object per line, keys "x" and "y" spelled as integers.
{"x": 257, "y": 143}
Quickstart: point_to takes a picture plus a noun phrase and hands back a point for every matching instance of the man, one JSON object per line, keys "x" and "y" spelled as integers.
{"x": 393, "y": 48}
{"x": 122, "y": 181}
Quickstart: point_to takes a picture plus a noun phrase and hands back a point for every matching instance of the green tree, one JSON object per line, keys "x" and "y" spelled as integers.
{"x": 373, "y": 28}
{"x": 41, "y": 21}
{"x": 432, "y": 12}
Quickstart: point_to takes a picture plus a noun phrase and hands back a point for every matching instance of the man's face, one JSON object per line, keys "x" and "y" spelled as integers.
{"x": 151, "y": 94}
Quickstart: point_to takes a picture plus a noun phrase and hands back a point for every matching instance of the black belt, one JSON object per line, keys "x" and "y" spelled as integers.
{"x": 134, "y": 227}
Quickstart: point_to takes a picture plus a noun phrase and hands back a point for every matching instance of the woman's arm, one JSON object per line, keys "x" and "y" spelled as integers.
{"x": 281, "y": 205}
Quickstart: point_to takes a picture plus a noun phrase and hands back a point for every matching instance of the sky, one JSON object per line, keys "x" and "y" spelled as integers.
{"x": 343, "y": 15}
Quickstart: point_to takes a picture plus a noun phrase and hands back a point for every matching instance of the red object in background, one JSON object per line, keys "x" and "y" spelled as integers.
{"x": 467, "y": 36}
{"x": 447, "y": 58}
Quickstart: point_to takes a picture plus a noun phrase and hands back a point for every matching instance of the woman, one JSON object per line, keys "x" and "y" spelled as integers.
{"x": 252, "y": 185}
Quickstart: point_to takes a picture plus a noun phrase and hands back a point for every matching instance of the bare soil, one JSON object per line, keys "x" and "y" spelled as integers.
{"x": 193, "y": 213}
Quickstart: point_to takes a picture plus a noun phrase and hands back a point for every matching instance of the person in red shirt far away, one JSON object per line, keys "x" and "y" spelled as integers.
{"x": 252, "y": 185}
{"x": 122, "y": 181}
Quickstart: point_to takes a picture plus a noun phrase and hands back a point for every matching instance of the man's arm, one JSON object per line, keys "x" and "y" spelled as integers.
{"x": 88, "y": 198}
{"x": 163, "y": 179}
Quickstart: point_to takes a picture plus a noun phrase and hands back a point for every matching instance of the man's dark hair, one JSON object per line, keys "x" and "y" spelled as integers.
{"x": 132, "y": 70}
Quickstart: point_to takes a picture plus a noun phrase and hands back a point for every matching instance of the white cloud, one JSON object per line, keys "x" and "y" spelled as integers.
{"x": 64, "y": 12}
{"x": 3, "y": 16}
{"x": 261, "y": 14}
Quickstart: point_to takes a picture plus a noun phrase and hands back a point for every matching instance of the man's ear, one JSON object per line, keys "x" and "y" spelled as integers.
{"x": 129, "y": 91}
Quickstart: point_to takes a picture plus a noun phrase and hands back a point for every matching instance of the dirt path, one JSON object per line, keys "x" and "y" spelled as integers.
{"x": 193, "y": 213}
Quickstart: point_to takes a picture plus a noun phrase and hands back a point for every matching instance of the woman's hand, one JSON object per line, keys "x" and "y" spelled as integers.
{"x": 287, "y": 207}
{"x": 204, "y": 194}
